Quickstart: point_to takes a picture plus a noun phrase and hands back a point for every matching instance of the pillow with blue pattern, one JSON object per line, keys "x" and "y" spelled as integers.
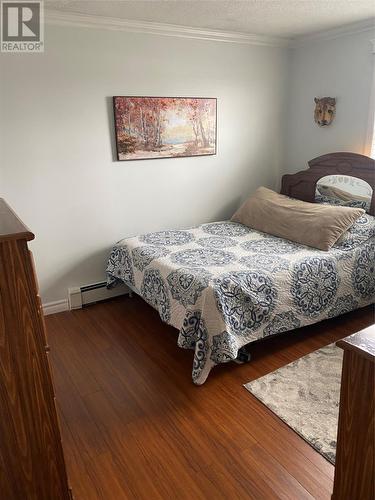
{"x": 362, "y": 229}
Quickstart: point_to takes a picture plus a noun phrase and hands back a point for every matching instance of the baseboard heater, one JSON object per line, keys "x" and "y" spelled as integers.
{"x": 96, "y": 292}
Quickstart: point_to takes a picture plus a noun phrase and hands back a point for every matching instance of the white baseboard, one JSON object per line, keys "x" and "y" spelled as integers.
{"x": 55, "y": 307}
{"x": 81, "y": 296}
{"x": 95, "y": 292}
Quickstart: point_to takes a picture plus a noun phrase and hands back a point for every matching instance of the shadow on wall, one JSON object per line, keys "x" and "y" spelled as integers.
{"x": 111, "y": 127}
{"x": 90, "y": 269}
{"x": 227, "y": 210}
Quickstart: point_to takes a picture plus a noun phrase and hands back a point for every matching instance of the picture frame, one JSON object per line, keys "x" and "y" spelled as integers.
{"x": 164, "y": 127}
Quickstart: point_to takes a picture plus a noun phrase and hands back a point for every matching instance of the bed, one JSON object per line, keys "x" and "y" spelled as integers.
{"x": 224, "y": 285}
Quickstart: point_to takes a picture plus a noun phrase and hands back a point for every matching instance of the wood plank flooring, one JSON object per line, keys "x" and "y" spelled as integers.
{"x": 134, "y": 425}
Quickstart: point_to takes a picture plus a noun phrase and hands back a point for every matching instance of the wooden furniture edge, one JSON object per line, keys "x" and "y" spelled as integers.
{"x": 354, "y": 478}
{"x": 347, "y": 343}
{"x": 31, "y": 454}
{"x": 11, "y": 226}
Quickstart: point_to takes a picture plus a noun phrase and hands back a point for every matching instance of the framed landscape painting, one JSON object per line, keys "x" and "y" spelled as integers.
{"x": 164, "y": 127}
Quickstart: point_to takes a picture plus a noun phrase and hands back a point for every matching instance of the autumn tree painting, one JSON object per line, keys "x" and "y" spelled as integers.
{"x": 164, "y": 127}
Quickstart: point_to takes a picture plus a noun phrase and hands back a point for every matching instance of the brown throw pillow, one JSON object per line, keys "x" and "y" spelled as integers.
{"x": 312, "y": 224}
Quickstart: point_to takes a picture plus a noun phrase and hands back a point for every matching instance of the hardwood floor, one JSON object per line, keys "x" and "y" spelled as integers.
{"x": 134, "y": 425}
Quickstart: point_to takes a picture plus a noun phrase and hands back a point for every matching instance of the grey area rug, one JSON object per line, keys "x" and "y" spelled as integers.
{"x": 305, "y": 394}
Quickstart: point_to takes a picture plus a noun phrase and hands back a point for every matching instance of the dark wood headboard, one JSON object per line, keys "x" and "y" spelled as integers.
{"x": 302, "y": 184}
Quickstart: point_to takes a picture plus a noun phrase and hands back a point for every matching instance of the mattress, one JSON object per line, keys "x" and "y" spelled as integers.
{"x": 224, "y": 285}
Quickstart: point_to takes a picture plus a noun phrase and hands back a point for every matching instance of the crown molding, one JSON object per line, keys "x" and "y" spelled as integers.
{"x": 59, "y": 18}
{"x": 331, "y": 34}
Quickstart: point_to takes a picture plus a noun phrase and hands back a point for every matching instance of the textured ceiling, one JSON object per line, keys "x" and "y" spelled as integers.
{"x": 286, "y": 18}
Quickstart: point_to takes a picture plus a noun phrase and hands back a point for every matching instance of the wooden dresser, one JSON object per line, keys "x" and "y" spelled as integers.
{"x": 355, "y": 461}
{"x": 32, "y": 463}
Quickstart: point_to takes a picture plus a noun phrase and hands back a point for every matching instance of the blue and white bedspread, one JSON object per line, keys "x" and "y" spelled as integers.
{"x": 223, "y": 285}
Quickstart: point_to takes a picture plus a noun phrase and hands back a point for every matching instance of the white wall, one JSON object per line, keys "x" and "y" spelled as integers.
{"x": 57, "y": 156}
{"x": 340, "y": 68}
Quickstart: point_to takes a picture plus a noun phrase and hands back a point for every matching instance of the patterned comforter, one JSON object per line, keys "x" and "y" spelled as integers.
{"x": 223, "y": 285}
